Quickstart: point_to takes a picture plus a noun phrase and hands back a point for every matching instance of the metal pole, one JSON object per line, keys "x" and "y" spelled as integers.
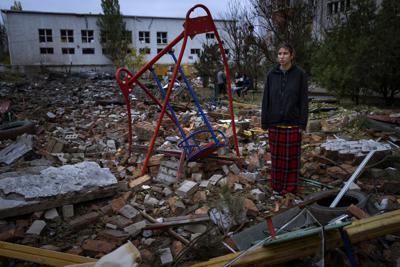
{"x": 352, "y": 179}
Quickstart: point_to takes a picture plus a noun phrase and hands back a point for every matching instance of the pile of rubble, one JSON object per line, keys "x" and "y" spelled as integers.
{"x": 74, "y": 187}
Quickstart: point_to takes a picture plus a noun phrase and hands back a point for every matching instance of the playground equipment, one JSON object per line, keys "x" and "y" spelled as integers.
{"x": 190, "y": 144}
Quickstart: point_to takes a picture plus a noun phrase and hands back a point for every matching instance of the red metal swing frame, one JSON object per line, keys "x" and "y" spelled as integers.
{"x": 127, "y": 81}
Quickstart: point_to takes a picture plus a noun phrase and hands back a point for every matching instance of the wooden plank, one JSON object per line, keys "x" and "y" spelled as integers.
{"x": 139, "y": 181}
{"x": 48, "y": 203}
{"x": 361, "y": 230}
{"x": 41, "y": 256}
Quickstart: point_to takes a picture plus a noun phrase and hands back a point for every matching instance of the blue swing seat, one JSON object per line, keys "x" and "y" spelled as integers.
{"x": 194, "y": 150}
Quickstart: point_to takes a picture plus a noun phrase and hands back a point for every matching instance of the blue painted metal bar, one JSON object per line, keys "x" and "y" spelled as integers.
{"x": 171, "y": 110}
{"x": 194, "y": 97}
{"x": 348, "y": 247}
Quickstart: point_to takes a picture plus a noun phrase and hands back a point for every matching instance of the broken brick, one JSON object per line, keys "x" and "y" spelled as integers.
{"x": 200, "y": 197}
{"x": 250, "y": 207}
{"x": 98, "y": 246}
{"x": 84, "y": 220}
{"x": 118, "y": 203}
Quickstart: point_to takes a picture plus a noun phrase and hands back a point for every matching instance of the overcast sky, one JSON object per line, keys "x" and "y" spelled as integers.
{"x": 162, "y": 8}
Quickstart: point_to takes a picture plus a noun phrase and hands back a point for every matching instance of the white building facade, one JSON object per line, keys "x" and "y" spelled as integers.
{"x": 69, "y": 39}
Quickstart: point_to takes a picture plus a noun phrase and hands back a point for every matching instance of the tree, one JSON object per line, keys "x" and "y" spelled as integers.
{"x": 3, "y": 43}
{"x": 114, "y": 37}
{"x": 359, "y": 55}
{"x": 384, "y": 73}
{"x": 16, "y": 6}
{"x": 209, "y": 63}
{"x": 284, "y": 21}
{"x": 135, "y": 59}
{"x": 247, "y": 58}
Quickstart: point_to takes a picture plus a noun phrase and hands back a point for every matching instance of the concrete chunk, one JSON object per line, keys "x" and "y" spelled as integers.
{"x": 134, "y": 229}
{"x": 166, "y": 256}
{"x": 128, "y": 211}
{"x": 187, "y": 188}
{"x": 165, "y": 178}
{"x": 235, "y": 169}
{"x": 197, "y": 177}
{"x": 36, "y": 227}
{"x": 215, "y": 178}
{"x": 68, "y": 211}
{"x": 16, "y": 150}
{"x": 257, "y": 194}
{"x": 150, "y": 201}
{"x": 205, "y": 184}
{"x": 51, "y": 214}
{"x": 170, "y": 164}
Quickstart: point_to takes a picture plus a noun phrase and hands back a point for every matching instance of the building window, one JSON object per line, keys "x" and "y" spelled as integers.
{"x": 195, "y": 51}
{"x": 144, "y": 37}
{"x": 161, "y": 37}
{"x": 68, "y": 50}
{"x": 144, "y": 50}
{"x": 87, "y": 36}
{"x": 87, "y": 51}
{"x": 338, "y": 6}
{"x": 46, "y": 50}
{"x": 159, "y": 50}
{"x": 227, "y": 52}
{"x": 67, "y": 36}
{"x": 45, "y": 35}
{"x": 210, "y": 35}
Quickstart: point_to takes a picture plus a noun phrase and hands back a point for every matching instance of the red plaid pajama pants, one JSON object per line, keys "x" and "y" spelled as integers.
{"x": 285, "y": 147}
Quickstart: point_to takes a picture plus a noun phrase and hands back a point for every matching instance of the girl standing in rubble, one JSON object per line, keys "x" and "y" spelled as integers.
{"x": 284, "y": 114}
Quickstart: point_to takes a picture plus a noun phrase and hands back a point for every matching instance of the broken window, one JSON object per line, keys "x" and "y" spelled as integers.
{"x": 67, "y": 36}
{"x": 144, "y": 50}
{"x": 195, "y": 51}
{"x": 45, "y": 35}
{"x": 144, "y": 37}
{"x": 210, "y": 35}
{"x": 161, "y": 37}
{"x": 335, "y": 7}
{"x": 87, "y": 36}
{"x": 87, "y": 51}
{"x": 46, "y": 50}
{"x": 68, "y": 50}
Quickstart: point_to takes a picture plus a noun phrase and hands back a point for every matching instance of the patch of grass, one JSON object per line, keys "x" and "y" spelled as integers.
{"x": 10, "y": 76}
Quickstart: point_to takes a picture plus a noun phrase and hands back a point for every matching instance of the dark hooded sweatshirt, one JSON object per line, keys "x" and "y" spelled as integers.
{"x": 285, "y": 99}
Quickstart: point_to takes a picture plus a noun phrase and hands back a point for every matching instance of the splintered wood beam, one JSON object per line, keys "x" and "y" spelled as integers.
{"x": 361, "y": 230}
{"x": 58, "y": 201}
{"x": 41, "y": 256}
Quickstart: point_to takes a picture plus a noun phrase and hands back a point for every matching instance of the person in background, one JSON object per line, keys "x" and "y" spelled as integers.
{"x": 221, "y": 83}
{"x": 284, "y": 114}
{"x": 247, "y": 85}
